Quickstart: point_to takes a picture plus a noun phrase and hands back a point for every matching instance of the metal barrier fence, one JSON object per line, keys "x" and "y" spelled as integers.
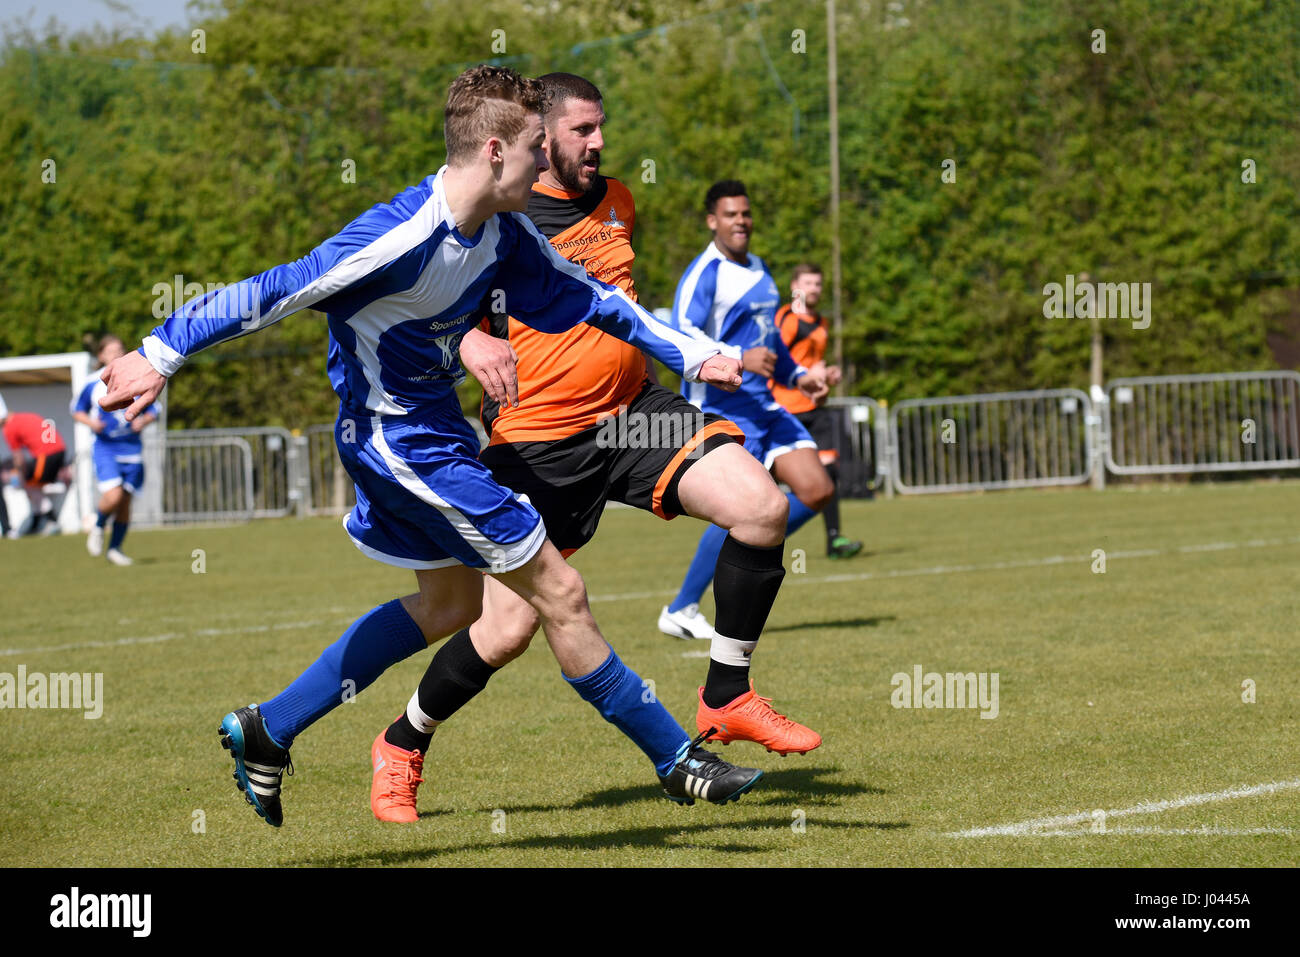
{"x": 1203, "y": 423}
{"x": 329, "y": 489}
{"x": 273, "y": 455}
{"x": 207, "y": 479}
{"x": 1138, "y": 426}
{"x": 1002, "y": 440}
{"x": 862, "y": 440}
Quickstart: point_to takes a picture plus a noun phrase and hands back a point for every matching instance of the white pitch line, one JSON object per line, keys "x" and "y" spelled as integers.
{"x": 985, "y": 567}
{"x": 636, "y": 595}
{"x": 171, "y": 636}
{"x": 1175, "y": 831}
{"x": 1035, "y": 826}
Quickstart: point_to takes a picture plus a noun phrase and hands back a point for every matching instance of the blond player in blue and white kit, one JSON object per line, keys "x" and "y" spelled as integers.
{"x": 118, "y": 454}
{"x": 401, "y": 285}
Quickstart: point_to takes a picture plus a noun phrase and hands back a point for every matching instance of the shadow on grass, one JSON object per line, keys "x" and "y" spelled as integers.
{"x": 873, "y": 553}
{"x": 665, "y": 837}
{"x": 806, "y": 784}
{"x": 809, "y": 784}
{"x": 784, "y": 787}
{"x": 871, "y": 622}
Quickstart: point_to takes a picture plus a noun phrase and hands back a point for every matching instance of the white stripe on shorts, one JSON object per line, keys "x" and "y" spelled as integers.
{"x": 774, "y": 454}
{"x": 499, "y": 558}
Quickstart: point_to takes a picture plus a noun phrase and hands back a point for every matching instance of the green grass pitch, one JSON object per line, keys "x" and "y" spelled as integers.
{"x": 1117, "y": 690}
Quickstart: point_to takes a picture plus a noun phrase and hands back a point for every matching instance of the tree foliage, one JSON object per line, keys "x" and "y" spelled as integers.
{"x": 216, "y": 156}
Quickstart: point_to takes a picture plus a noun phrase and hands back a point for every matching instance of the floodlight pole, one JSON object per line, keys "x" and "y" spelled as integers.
{"x": 832, "y": 85}
{"x": 1099, "y": 398}
{"x": 1097, "y": 392}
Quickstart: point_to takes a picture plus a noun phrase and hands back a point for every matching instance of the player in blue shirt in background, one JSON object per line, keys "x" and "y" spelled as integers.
{"x": 118, "y": 454}
{"x": 400, "y": 285}
{"x": 727, "y": 294}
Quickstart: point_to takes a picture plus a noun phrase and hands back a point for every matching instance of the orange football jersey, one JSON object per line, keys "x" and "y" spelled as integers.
{"x": 570, "y": 380}
{"x": 806, "y": 337}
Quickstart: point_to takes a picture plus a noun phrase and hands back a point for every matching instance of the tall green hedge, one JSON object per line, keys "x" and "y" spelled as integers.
{"x": 1126, "y": 165}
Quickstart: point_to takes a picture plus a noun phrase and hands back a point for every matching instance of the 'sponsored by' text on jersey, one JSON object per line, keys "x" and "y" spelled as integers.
{"x": 567, "y": 382}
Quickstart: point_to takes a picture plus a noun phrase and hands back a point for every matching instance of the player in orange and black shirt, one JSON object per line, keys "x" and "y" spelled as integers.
{"x": 803, "y": 331}
{"x": 590, "y": 425}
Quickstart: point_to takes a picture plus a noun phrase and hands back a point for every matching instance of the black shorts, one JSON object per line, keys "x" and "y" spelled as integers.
{"x": 637, "y": 458}
{"x": 43, "y": 469}
{"x": 821, "y": 423}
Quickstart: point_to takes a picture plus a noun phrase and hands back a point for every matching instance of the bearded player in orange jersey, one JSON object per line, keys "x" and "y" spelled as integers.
{"x": 564, "y": 436}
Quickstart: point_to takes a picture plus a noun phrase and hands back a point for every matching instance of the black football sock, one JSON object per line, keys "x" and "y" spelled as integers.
{"x": 831, "y": 513}
{"x": 456, "y": 674}
{"x": 745, "y": 585}
{"x": 402, "y": 734}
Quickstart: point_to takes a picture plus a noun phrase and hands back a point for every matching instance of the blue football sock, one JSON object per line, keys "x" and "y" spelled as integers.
{"x": 799, "y": 514}
{"x": 702, "y": 567}
{"x": 378, "y": 639}
{"x": 118, "y": 534}
{"x": 626, "y": 702}
{"x": 101, "y": 518}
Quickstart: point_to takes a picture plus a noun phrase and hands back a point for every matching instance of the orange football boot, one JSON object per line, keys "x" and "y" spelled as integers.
{"x": 751, "y": 718}
{"x": 395, "y": 781}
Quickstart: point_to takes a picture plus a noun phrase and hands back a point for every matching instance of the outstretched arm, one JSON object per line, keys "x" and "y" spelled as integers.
{"x": 351, "y": 257}
{"x": 546, "y": 291}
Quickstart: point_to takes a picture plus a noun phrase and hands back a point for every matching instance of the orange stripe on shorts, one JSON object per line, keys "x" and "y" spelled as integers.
{"x": 723, "y": 427}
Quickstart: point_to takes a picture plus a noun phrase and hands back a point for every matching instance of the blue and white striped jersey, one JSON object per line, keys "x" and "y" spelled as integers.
{"x": 718, "y": 299}
{"x": 400, "y": 286}
{"x": 118, "y": 436}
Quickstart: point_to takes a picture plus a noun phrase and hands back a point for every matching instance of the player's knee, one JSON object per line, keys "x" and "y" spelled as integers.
{"x": 437, "y": 621}
{"x": 817, "y": 494}
{"x": 772, "y": 509}
{"x": 509, "y": 647}
{"x": 566, "y": 593}
{"x": 513, "y": 637}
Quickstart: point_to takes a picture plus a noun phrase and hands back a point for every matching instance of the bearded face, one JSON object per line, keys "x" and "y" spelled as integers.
{"x": 573, "y": 144}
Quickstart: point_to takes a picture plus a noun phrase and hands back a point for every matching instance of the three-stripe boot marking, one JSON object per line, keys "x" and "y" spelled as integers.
{"x": 703, "y": 775}
{"x": 264, "y": 779}
{"x": 699, "y": 787}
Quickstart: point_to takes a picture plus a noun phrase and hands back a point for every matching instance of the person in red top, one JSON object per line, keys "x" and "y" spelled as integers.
{"x": 803, "y": 330}
{"x": 6, "y": 466}
{"x": 39, "y": 452}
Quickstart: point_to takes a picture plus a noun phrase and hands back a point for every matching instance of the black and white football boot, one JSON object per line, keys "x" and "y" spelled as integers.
{"x": 702, "y": 774}
{"x": 259, "y": 761}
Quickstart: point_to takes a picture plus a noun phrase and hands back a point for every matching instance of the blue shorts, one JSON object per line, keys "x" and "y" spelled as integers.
{"x": 773, "y": 435}
{"x": 114, "y": 467}
{"x": 423, "y": 499}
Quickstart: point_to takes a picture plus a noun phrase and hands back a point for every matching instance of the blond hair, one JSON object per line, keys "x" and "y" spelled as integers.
{"x": 487, "y": 101}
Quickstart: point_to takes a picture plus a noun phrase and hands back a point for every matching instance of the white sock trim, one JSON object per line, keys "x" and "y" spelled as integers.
{"x": 422, "y": 722}
{"x": 729, "y": 651}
